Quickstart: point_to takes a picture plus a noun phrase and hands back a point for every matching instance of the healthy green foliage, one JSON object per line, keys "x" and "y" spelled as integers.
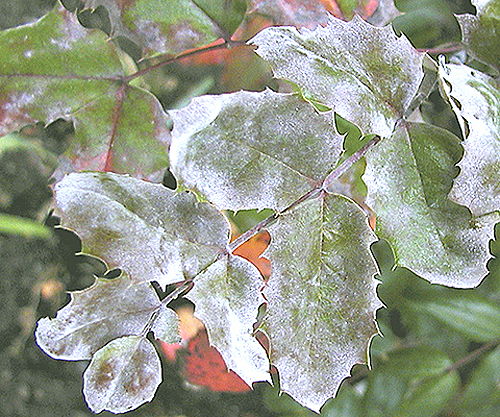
{"x": 340, "y": 162}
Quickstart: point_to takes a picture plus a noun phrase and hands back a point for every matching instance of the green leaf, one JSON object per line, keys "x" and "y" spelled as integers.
{"x": 56, "y": 68}
{"x": 475, "y": 98}
{"x": 409, "y": 176}
{"x": 20, "y": 226}
{"x": 173, "y": 26}
{"x": 227, "y": 298}
{"x": 253, "y": 150}
{"x": 430, "y": 396}
{"x": 480, "y": 33}
{"x": 367, "y": 75}
{"x": 472, "y": 315}
{"x": 412, "y": 382}
{"x": 122, "y": 375}
{"x": 321, "y": 296}
{"x": 153, "y": 233}
{"x": 109, "y": 309}
{"x": 481, "y": 396}
{"x": 347, "y": 403}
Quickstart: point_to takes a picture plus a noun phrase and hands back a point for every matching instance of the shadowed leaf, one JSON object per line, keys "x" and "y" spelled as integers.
{"x": 170, "y": 27}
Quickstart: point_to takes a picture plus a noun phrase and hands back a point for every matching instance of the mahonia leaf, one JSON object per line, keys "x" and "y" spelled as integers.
{"x": 109, "y": 309}
{"x": 122, "y": 375}
{"x": 478, "y": 95}
{"x": 311, "y": 13}
{"x": 266, "y": 149}
{"x": 321, "y": 296}
{"x": 153, "y": 233}
{"x": 56, "y": 68}
{"x": 366, "y": 74}
{"x": 480, "y": 33}
{"x": 305, "y": 13}
{"x": 227, "y": 298}
{"x": 173, "y": 26}
{"x": 409, "y": 176}
{"x": 411, "y": 382}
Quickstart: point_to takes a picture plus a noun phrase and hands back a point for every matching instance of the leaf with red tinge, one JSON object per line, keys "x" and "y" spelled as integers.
{"x": 173, "y": 26}
{"x": 55, "y": 68}
{"x": 252, "y": 251}
{"x": 204, "y": 365}
{"x": 312, "y": 13}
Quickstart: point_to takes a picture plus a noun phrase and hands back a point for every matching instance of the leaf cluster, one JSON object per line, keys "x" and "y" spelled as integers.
{"x": 339, "y": 155}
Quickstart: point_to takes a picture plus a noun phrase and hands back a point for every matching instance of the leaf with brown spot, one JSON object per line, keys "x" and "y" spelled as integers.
{"x": 122, "y": 375}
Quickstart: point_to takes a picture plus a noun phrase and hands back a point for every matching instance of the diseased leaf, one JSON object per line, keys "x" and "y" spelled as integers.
{"x": 409, "y": 176}
{"x": 313, "y": 13}
{"x": 304, "y": 13}
{"x": 124, "y": 131}
{"x": 321, "y": 296}
{"x": 171, "y": 27}
{"x": 122, "y": 375}
{"x": 253, "y": 150}
{"x": 56, "y": 68}
{"x": 109, "y": 309}
{"x": 366, "y": 74}
{"x": 227, "y": 298}
{"x": 153, "y": 233}
{"x": 480, "y": 33}
{"x": 477, "y": 186}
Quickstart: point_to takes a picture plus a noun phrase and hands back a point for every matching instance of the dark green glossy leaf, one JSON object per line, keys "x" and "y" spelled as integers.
{"x": 412, "y": 382}
{"x": 321, "y": 296}
{"x": 366, "y": 74}
{"x": 481, "y": 397}
{"x": 409, "y": 176}
{"x": 122, "y": 375}
{"x": 472, "y": 315}
{"x": 173, "y": 26}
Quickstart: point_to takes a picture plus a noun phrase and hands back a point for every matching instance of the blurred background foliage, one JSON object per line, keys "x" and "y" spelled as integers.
{"x": 439, "y": 354}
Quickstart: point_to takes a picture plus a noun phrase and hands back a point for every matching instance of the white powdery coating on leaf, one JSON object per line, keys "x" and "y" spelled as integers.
{"x": 122, "y": 376}
{"x": 352, "y": 67}
{"x": 166, "y": 326}
{"x": 481, "y": 4}
{"x": 409, "y": 176}
{"x": 478, "y": 184}
{"x": 106, "y": 310}
{"x": 253, "y": 150}
{"x": 321, "y": 296}
{"x": 227, "y": 298}
{"x": 153, "y": 233}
